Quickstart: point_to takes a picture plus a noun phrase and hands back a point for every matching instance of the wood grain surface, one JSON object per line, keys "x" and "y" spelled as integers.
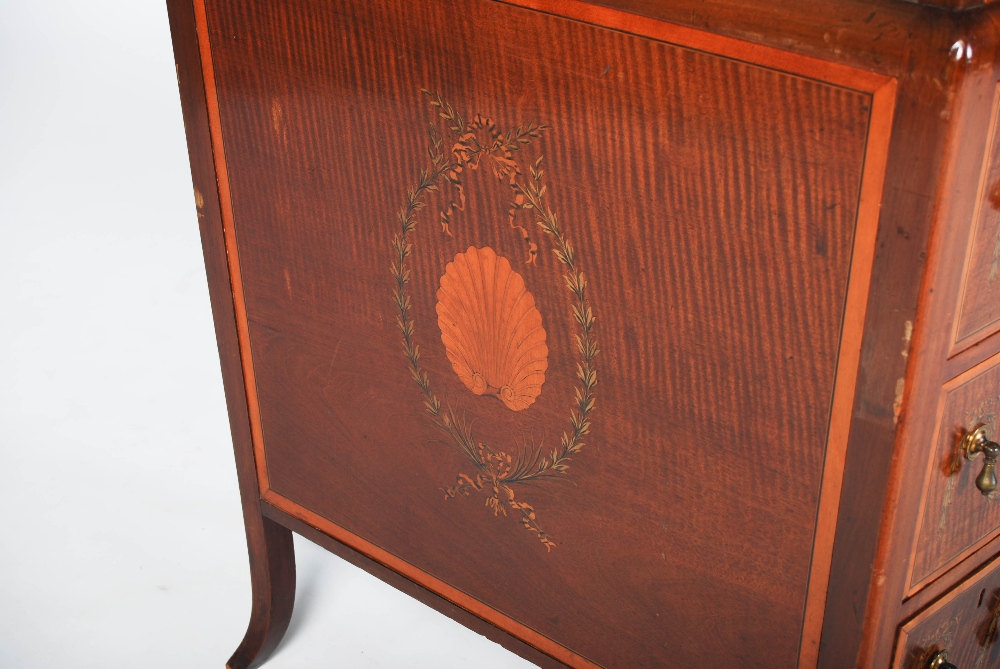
{"x": 944, "y": 63}
{"x": 405, "y": 584}
{"x": 716, "y": 228}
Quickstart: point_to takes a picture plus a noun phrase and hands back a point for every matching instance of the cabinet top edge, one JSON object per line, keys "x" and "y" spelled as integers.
{"x": 897, "y": 38}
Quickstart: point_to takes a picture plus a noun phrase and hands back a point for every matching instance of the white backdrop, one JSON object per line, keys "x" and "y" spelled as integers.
{"x": 122, "y": 542}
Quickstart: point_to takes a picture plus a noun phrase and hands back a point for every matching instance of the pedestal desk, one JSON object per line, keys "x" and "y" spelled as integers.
{"x": 629, "y": 333}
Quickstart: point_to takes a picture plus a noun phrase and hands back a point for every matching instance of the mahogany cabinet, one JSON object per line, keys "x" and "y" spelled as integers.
{"x": 628, "y": 333}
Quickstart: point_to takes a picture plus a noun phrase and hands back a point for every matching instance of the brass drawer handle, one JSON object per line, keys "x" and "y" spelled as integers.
{"x": 940, "y": 661}
{"x": 974, "y": 443}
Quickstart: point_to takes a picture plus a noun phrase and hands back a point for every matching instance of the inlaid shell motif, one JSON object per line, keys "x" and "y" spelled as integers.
{"x": 491, "y": 329}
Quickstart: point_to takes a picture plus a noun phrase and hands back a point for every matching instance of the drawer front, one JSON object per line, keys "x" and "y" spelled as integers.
{"x": 963, "y": 624}
{"x": 956, "y": 518}
{"x": 979, "y": 303}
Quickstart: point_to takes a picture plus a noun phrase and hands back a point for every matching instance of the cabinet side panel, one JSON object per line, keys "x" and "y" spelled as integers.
{"x": 685, "y": 228}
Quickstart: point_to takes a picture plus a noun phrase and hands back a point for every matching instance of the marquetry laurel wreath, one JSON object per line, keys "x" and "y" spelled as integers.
{"x": 492, "y": 331}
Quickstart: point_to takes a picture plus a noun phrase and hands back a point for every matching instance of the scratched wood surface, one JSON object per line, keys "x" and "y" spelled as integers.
{"x": 955, "y": 516}
{"x": 711, "y": 205}
{"x": 964, "y": 624}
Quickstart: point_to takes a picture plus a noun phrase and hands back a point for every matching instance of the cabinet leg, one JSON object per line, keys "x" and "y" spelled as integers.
{"x": 272, "y": 572}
